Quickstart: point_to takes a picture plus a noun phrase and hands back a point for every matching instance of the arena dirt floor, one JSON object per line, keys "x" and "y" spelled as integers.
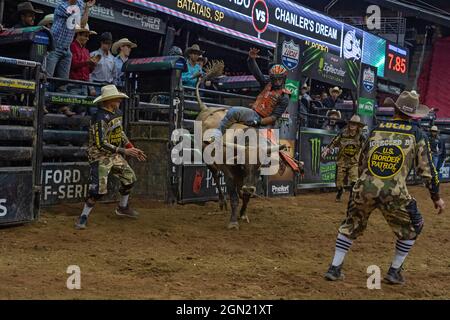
{"x": 186, "y": 252}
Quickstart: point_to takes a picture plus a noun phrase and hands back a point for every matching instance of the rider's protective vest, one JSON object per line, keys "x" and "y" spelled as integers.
{"x": 267, "y": 100}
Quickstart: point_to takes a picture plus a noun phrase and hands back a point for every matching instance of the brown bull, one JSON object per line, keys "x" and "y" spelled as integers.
{"x": 240, "y": 179}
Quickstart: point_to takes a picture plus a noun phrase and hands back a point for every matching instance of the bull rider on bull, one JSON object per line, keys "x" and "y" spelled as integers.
{"x": 270, "y": 104}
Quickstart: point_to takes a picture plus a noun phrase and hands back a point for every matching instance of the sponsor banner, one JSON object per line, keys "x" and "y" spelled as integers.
{"x": 16, "y": 196}
{"x": 366, "y": 107}
{"x": 69, "y": 182}
{"x": 290, "y": 54}
{"x": 199, "y": 184}
{"x": 65, "y": 99}
{"x": 17, "y": 84}
{"x": 367, "y": 93}
{"x": 115, "y": 12}
{"x": 293, "y": 87}
{"x": 352, "y": 43}
{"x": 330, "y": 68}
{"x": 281, "y": 188}
{"x": 318, "y": 171}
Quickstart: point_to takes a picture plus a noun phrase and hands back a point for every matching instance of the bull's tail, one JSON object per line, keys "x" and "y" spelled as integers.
{"x": 213, "y": 70}
{"x": 201, "y": 104}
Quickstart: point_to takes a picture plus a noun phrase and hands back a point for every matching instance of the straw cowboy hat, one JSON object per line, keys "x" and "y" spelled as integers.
{"x": 335, "y": 89}
{"x": 79, "y": 29}
{"x": 356, "y": 120}
{"x": 27, "y": 7}
{"x": 334, "y": 111}
{"x": 434, "y": 129}
{"x": 122, "y": 42}
{"x": 47, "y": 19}
{"x": 408, "y": 103}
{"x": 195, "y": 48}
{"x": 110, "y": 92}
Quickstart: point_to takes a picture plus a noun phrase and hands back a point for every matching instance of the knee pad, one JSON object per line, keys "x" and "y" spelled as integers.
{"x": 126, "y": 189}
{"x": 415, "y": 216}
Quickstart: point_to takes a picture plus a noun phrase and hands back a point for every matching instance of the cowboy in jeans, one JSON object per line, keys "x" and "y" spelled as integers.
{"x": 68, "y": 15}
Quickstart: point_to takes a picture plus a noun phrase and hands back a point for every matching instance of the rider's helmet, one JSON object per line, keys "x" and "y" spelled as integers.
{"x": 175, "y": 51}
{"x": 277, "y": 71}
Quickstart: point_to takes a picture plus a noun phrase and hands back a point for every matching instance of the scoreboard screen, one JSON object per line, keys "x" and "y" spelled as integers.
{"x": 397, "y": 63}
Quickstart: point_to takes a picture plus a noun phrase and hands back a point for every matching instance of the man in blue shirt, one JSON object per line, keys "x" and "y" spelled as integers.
{"x": 68, "y": 15}
{"x": 191, "y": 76}
{"x": 123, "y": 50}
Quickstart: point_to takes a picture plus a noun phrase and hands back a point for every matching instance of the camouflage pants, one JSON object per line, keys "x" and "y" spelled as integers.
{"x": 402, "y": 215}
{"x": 343, "y": 171}
{"x": 100, "y": 170}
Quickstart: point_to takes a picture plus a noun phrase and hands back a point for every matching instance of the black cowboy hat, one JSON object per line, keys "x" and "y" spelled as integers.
{"x": 27, "y": 7}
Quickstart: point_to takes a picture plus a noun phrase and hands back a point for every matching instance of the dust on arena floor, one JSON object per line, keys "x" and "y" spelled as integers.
{"x": 186, "y": 252}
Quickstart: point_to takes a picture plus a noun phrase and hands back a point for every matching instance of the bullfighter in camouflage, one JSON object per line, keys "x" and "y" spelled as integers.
{"x": 108, "y": 145}
{"x": 391, "y": 151}
{"x": 349, "y": 142}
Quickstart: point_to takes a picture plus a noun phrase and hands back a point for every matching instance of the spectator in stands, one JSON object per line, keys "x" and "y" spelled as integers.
{"x": 323, "y": 96}
{"x": 47, "y": 21}
{"x": 331, "y": 124}
{"x": 27, "y": 15}
{"x": 175, "y": 51}
{"x": 437, "y": 146}
{"x": 82, "y": 64}
{"x": 122, "y": 49}
{"x": 194, "y": 72}
{"x": 68, "y": 14}
{"x": 105, "y": 71}
{"x": 331, "y": 101}
{"x": 304, "y": 105}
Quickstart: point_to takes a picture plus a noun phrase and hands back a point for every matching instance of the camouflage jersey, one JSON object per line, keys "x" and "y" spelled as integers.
{"x": 391, "y": 151}
{"x": 106, "y": 135}
{"x": 349, "y": 148}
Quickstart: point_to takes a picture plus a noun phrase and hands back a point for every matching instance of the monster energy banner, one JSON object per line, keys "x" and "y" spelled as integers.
{"x": 329, "y": 68}
{"x": 16, "y": 196}
{"x": 319, "y": 172}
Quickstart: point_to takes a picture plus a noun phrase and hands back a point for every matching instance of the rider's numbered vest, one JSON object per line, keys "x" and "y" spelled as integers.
{"x": 267, "y": 100}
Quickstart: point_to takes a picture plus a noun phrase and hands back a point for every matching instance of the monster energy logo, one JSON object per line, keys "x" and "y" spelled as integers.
{"x": 315, "y": 155}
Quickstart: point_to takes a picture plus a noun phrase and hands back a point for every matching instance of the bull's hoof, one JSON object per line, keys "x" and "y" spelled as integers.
{"x": 233, "y": 225}
{"x": 245, "y": 218}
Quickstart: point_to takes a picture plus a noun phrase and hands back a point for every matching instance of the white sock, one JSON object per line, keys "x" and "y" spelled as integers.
{"x": 86, "y": 210}
{"x": 343, "y": 244}
{"x": 402, "y": 248}
{"x": 124, "y": 200}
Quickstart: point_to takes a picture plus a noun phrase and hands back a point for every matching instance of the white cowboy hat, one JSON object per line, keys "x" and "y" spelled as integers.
{"x": 334, "y": 111}
{"x": 47, "y": 19}
{"x": 434, "y": 129}
{"x": 194, "y": 48}
{"x": 356, "y": 120}
{"x": 335, "y": 89}
{"x": 120, "y": 43}
{"x": 408, "y": 103}
{"x": 79, "y": 29}
{"x": 110, "y": 92}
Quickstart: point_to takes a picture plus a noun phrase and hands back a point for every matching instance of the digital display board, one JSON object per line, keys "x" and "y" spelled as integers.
{"x": 397, "y": 62}
{"x": 374, "y": 52}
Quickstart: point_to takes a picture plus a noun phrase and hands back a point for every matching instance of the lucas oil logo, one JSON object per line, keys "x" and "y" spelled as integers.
{"x": 386, "y": 162}
{"x": 290, "y": 54}
{"x": 368, "y": 79}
